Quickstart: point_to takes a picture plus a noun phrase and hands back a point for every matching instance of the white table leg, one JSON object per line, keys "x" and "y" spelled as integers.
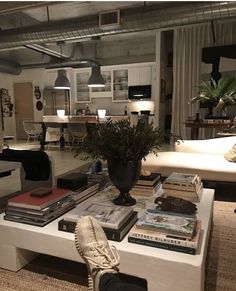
{"x": 13, "y": 258}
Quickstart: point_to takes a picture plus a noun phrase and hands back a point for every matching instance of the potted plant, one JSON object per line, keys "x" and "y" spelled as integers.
{"x": 123, "y": 146}
{"x": 218, "y": 95}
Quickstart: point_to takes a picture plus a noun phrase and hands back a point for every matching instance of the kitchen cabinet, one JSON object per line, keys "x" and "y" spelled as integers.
{"x": 82, "y": 91}
{"x": 103, "y": 91}
{"x": 117, "y": 79}
{"x": 120, "y": 85}
{"x": 54, "y": 99}
{"x": 140, "y": 75}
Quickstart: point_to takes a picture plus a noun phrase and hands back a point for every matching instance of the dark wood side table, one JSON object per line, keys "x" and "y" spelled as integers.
{"x": 224, "y": 134}
{"x": 196, "y": 125}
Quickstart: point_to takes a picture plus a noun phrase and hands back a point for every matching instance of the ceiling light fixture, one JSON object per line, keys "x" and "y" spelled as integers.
{"x": 62, "y": 81}
{"x": 96, "y": 79}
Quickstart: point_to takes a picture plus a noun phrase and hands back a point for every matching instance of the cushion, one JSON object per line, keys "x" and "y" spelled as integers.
{"x": 231, "y": 154}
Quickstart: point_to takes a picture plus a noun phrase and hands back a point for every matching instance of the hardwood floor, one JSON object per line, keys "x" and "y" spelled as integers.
{"x": 64, "y": 161}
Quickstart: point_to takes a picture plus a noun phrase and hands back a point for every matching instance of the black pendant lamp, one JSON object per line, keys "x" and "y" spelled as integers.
{"x": 62, "y": 82}
{"x": 96, "y": 79}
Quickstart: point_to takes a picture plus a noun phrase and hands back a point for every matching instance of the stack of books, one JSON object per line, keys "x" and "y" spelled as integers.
{"x": 102, "y": 178}
{"x": 183, "y": 185}
{"x": 39, "y": 206}
{"x": 116, "y": 221}
{"x": 147, "y": 185}
{"x": 85, "y": 192}
{"x": 180, "y": 233}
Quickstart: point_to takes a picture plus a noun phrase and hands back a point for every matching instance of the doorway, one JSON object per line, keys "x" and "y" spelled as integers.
{"x": 23, "y": 94}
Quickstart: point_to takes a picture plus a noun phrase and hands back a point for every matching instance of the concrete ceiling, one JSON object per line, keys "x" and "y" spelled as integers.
{"x": 20, "y": 16}
{"x": 15, "y": 15}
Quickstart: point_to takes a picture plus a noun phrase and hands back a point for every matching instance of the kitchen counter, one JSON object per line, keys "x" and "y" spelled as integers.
{"x": 80, "y": 118}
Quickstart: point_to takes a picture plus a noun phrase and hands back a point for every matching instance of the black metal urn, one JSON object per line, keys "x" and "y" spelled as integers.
{"x": 124, "y": 176}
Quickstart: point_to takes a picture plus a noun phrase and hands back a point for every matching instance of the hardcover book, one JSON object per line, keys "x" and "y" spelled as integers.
{"x": 86, "y": 191}
{"x": 158, "y": 236}
{"x": 41, "y": 212}
{"x": 37, "y": 221}
{"x": 194, "y": 196}
{"x": 149, "y": 180}
{"x": 45, "y": 217}
{"x": 171, "y": 224}
{"x": 182, "y": 181}
{"x": 111, "y": 234}
{"x": 72, "y": 181}
{"x": 26, "y": 200}
{"x": 110, "y": 216}
{"x": 157, "y": 244}
{"x": 145, "y": 190}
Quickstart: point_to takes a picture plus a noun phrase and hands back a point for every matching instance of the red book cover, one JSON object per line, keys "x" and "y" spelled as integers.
{"x": 26, "y": 200}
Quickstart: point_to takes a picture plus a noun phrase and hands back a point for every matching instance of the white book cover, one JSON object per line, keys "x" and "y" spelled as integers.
{"x": 110, "y": 216}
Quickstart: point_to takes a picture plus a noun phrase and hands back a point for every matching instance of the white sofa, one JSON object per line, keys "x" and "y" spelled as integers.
{"x": 203, "y": 157}
{"x": 27, "y": 185}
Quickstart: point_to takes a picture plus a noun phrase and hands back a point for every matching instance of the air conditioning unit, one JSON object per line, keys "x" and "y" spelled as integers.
{"x": 109, "y": 19}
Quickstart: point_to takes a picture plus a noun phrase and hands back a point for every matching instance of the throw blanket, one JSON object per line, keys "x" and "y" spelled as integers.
{"x": 35, "y": 163}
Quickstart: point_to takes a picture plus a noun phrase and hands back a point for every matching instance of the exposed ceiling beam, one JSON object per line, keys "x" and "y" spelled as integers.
{"x": 48, "y": 52}
{"x": 16, "y": 6}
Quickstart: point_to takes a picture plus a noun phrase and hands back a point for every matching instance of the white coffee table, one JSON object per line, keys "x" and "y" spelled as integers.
{"x": 164, "y": 270}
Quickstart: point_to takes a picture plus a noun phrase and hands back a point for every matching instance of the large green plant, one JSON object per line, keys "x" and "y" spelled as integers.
{"x": 219, "y": 95}
{"x": 121, "y": 141}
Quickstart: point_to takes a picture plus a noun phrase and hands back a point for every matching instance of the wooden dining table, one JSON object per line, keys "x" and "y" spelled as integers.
{"x": 62, "y": 123}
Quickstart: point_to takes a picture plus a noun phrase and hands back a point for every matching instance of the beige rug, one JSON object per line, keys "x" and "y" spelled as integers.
{"x": 49, "y": 274}
{"x": 221, "y": 258}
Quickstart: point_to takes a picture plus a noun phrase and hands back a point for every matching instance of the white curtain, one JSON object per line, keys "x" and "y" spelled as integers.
{"x": 187, "y": 51}
{"x": 1, "y": 126}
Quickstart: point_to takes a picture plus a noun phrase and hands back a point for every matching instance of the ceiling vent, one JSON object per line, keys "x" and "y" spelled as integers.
{"x": 109, "y": 19}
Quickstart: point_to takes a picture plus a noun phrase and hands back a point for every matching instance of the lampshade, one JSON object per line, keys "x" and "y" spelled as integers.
{"x": 62, "y": 81}
{"x": 96, "y": 79}
{"x": 60, "y": 112}
{"x": 101, "y": 113}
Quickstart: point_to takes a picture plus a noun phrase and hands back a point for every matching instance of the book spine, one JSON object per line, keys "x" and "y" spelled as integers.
{"x": 183, "y": 191}
{"x": 166, "y": 239}
{"x": 69, "y": 226}
{"x": 148, "y": 183}
{"x": 171, "y": 213}
{"x": 166, "y": 246}
{"x": 175, "y": 185}
{"x": 66, "y": 226}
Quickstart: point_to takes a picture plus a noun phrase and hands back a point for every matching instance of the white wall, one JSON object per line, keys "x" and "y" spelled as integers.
{"x": 37, "y": 78}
